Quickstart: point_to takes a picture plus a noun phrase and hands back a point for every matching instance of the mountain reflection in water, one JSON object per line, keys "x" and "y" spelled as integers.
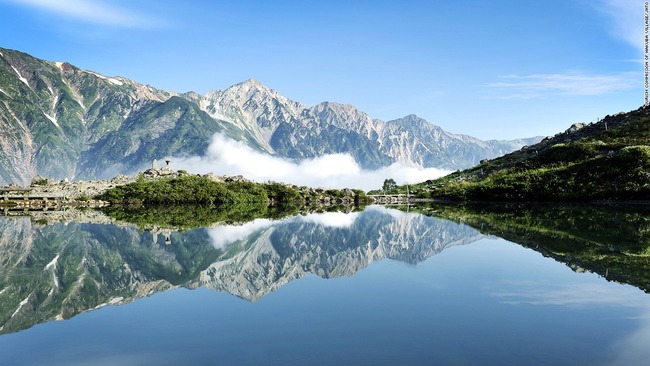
{"x": 492, "y": 302}
{"x": 58, "y": 270}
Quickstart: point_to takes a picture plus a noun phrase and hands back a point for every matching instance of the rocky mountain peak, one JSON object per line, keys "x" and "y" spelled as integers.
{"x": 334, "y": 107}
{"x": 412, "y": 121}
{"x": 249, "y": 88}
{"x": 247, "y": 97}
{"x": 244, "y": 92}
{"x": 413, "y": 118}
{"x": 341, "y": 115}
{"x": 73, "y": 123}
{"x": 252, "y": 83}
{"x": 65, "y": 67}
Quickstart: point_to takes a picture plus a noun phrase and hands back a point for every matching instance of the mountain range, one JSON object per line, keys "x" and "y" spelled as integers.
{"x": 60, "y": 121}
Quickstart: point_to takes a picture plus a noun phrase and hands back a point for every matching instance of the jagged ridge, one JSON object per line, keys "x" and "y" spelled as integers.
{"x": 63, "y": 122}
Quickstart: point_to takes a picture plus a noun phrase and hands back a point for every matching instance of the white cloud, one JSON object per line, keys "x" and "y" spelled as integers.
{"x": 228, "y": 157}
{"x": 91, "y": 11}
{"x": 571, "y": 83}
{"x": 633, "y": 349}
{"x": 227, "y": 234}
{"x": 396, "y": 215}
{"x": 331, "y": 219}
{"x": 626, "y": 20}
{"x": 224, "y": 235}
{"x": 570, "y": 294}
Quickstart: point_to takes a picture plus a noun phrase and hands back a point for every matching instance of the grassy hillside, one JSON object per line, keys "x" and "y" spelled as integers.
{"x": 608, "y": 160}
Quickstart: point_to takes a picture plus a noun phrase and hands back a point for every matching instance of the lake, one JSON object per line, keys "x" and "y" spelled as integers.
{"x": 383, "y": 286}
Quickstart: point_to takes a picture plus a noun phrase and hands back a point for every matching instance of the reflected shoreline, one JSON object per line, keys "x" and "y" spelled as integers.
{"x": 173, "y": 217}
{"x": 611, "y": 240}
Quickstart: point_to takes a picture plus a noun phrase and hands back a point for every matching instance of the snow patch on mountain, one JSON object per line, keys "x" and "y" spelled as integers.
{"x": 52, "y": 263}
{"x": 20, "y": 306}
{"x": 52, "y": 119}
{"x": 20, "y": 76}
{"x": 110, "y": 80}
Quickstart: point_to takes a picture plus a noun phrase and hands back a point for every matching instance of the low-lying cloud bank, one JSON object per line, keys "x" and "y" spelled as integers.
{"x": 225, "y": 156}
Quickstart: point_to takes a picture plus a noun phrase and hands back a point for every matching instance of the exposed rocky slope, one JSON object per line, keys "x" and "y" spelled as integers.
{"x": 63, "y": 122}
{"x": 51, "y": 113}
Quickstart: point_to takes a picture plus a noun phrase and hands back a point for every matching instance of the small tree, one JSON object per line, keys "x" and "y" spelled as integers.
{"x": 389, "y": 185}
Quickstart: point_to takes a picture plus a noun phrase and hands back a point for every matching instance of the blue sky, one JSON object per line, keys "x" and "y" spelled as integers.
{"x": 492, "y": 69}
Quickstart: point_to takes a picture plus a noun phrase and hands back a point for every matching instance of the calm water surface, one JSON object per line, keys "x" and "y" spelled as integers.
{"x": 380, "y": 287}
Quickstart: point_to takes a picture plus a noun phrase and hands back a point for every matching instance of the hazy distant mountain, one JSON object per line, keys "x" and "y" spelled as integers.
{"x": 63, "y": 122}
